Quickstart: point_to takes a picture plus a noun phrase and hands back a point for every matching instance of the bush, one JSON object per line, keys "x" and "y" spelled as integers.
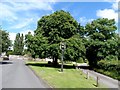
{"x": 111, "y": 57}
{"x": 108, "y": 65}
{"x": 9, "y": 52}
{"x": 80, "y": 60}
{"x": 36, "y": 56}
{"x": 110, "y": 68}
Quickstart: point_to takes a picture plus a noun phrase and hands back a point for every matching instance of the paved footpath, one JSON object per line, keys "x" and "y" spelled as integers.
{"x": 15, "y": 74}
{"x": 107, "y": 81}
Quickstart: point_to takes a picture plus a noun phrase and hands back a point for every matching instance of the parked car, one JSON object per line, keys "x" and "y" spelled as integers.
{"x": 5, "y": 58}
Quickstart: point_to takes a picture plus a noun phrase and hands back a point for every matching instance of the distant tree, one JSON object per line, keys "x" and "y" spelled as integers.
{"x": 99, "y": 36}
{"x": 18, "y": 44}
{"x": 28, "y": 43}
{"x": 36, "y": 45}
{"x": 5, "y": 41}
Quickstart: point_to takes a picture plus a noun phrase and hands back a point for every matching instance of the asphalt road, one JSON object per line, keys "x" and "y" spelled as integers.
{"x": 0, "y": 76}
{"x": 15, "y": 74}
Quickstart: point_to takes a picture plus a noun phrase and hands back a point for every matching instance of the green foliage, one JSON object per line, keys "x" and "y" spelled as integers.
{"x": 110, "y": 68}
{"x": 9, "y": 52}
{"x": 51, "y": 30}
{"x": 36, "y": 45}
{"x": 29, "y": 44}
{"x": 36, "y": 56}
{"x": 56, "y": 26}
{"x": 101, "y": 40}
{"x": 80, "y": 60}
{"x": 5, "y": 41}
{"x": 94, "y": 42}
{"x": 101, "y": 29}
{"x": 18, "y": 44}
{"x": 75, "y": 49}
{"x": 111, "y": 57}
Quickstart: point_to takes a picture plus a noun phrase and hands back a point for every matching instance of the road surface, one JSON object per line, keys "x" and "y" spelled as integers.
{"x": 15, "y": 74}
{"x": 0, "y": 76}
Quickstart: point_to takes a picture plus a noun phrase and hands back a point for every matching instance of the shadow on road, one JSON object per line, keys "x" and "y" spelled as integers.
{"x": 50, "y": 65}
{"x": 5, "y": 62}
{"x": 85, "y": 67}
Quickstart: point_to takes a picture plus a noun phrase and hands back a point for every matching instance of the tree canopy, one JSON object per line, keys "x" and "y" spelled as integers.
{"x": 100, "y": 34}
{"x": 92, "y": 42}
{"x": 51, "y": 30}
{"x": 5, "y": 41}
{"x": 18, "y": 44}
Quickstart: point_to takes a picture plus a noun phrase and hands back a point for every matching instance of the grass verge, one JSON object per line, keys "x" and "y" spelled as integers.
{"x": 70, "y": 78}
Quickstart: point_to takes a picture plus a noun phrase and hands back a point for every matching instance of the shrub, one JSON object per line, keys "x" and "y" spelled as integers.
{"x": 110, "y": 68}
{"x": 80, "y": 60}
{"x": 36, "y": 56}
{"x": 9, "y": 52}
{"x": 111, "y": 57}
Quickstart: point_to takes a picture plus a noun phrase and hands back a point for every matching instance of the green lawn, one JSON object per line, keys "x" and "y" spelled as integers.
{"x": 70, "y": 78}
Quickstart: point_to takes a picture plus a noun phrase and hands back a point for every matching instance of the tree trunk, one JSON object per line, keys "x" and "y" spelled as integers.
{"x": 55, "y": 61}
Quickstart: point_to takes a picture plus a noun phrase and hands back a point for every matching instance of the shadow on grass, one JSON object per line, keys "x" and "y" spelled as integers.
{"x": 50, "y": 65}
{"x": 95, "y": 85}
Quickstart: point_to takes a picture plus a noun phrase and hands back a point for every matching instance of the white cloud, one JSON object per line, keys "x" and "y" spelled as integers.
{"x": 6, "y": 12}
{"x": 30, "y": 5}
{"x": 84, "y": 20}
{"x": 108, "y": 13}
{"x": 9, "y": 10}
{"x": 22, "y": 24}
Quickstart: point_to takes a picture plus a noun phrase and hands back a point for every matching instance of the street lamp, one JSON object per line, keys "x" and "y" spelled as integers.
{"x": 62, "y": 47}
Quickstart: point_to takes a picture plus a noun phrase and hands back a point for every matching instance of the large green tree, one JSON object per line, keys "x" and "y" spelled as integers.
{"x": 18, "y": 44}
{"x": 56, "y": 27}
{"x": 100, "y": 34}
{"x": 5, "y": 41}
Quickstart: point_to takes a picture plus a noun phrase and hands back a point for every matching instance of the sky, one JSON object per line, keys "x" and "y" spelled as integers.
{"x": 22, "y": 16}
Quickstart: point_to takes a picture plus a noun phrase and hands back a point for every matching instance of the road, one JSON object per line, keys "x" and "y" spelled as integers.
{"x": 15, "y": 74}
{"x": 0, "y": 76}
